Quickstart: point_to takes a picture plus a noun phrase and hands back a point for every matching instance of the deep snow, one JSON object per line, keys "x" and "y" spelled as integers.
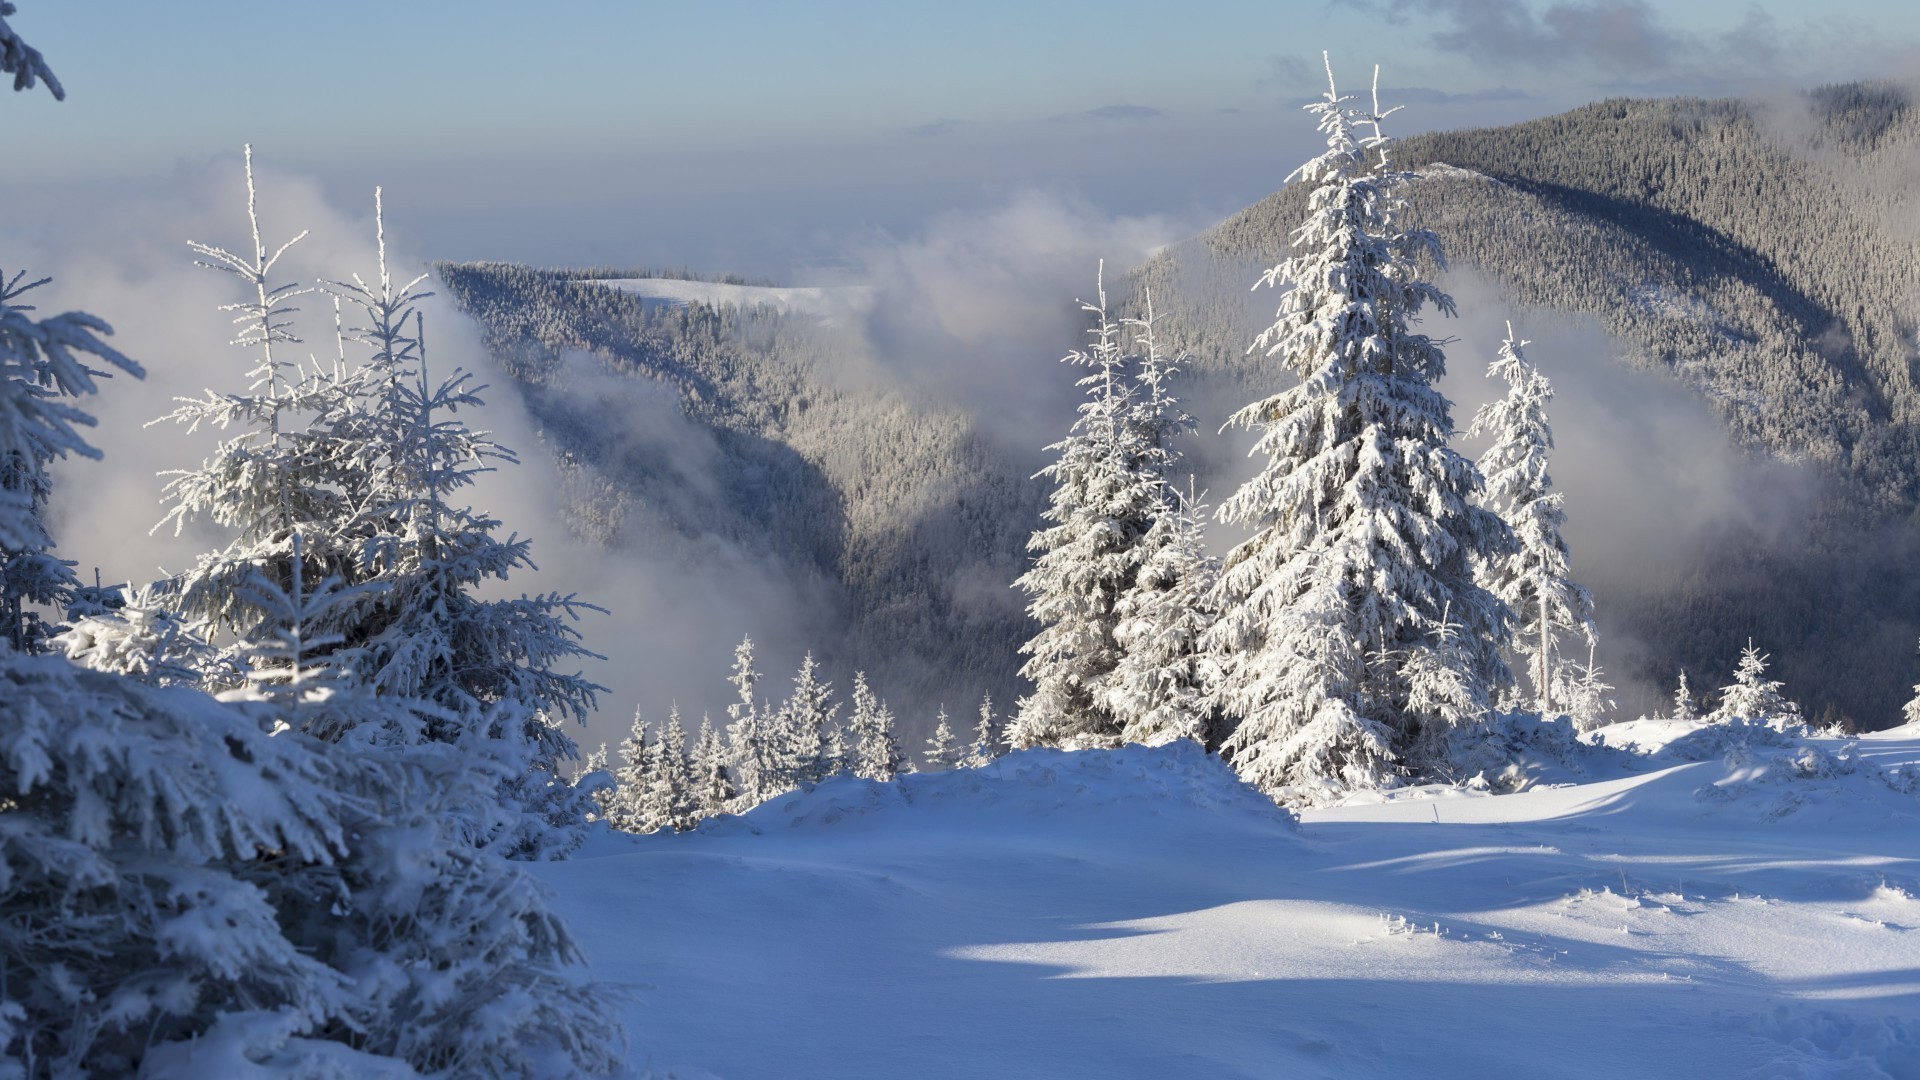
{"x": 1735, "y": 904}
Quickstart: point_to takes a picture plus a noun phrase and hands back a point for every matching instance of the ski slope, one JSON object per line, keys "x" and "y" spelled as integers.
{"x": 1716, "y": 904}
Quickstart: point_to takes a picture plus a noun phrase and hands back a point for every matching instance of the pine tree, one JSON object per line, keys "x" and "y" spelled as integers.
{"x": 668, "y": 801}
{"x": 632, "y": 779}
{"x": 1103, "y": 504}
{"x": 804, "y": 730}
{"x": 943, "y": 750}
{"x": 1684, "y": 708}
{"x": 1162, "y": 688}
{"x": 41, "y": 362}
{"x": 1364, "y": 525}
{"x": 982, "y": 751}
{"x": 714, "y": 780}
{"x": 875, "y": 750}
{"x": 1754, "y": 697}
{"x": 752, "y": 736}
{"x": 1531, "y": 576}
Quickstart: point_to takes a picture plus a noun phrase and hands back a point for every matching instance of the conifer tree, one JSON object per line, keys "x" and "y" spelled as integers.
{"x": 752, "y": 737}
{"x": 874, "y": 749}
{"x": 805, "y": 729}
{"x": 1162, "y": 688}
{"x": 713, "y": 779}
{"x": 631, "y": 778}
{"x": 982, "y": 751}
{"x": 1364, "y": 528}
{"x": 668, "y": 801}
{"x": 943, "y": 750}
{"x": 1684, "y": 708}
{"x": 1531, "y": 575}
{"x": 1754, "y": 697}
{"x": 1104, "y": 500}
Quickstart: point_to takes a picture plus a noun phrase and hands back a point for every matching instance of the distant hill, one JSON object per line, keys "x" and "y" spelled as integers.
{"x": 1762, "y": 258}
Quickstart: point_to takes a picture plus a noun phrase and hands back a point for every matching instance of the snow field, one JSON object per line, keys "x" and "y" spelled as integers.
{"x": 1140, "y": 913}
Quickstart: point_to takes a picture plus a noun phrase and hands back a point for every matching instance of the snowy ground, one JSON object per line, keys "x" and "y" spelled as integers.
{"x": 850, "y": 303}
{"x": 1737, "y": 905}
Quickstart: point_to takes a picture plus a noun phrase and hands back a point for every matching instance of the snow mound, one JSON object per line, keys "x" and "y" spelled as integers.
{"x": 1113, "y": 790}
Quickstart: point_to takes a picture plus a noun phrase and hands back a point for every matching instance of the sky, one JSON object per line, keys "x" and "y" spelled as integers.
{"x": 977, "y": 160}
{"x": 767, "y": 138}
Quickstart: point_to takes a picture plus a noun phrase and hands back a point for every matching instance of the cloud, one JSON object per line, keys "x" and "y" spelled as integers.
{"x": 945, "y": 125}
{"x": 1109, "y": 113}
{"x": 1422, "y": 95}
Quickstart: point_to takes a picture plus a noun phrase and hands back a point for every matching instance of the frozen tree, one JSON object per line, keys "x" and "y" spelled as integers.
{"x": 603, "y": 796}
{"x": 631, "y": 778}
{"x": 1582, "y": 693}
{"x": 23, "y": 61}
{"x": 144, "y": 640}
{"x": 1364, "y": 527}
{"x": 1104, "y": 500}
{"x": 751, "y": 734}
{"x": 41, "y": 362}
{"x": 802, "y": 731}
{"x": 713, "y": 781}
{"x": 982, "y": 751}
{"x": 943, "y": 749}
{"x": 1754, "y": 697}
{"x": 667, "y": 800}
{"x": 1531, "y": 575}
{"x": 1684, "y": 707}
{"x": 1162, "y": 688}
{"x": 874, "y": 750}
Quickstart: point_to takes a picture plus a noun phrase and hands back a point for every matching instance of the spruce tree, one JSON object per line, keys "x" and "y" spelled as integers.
{"x": 1332, "y": 634}
{"x": 1163, "y": 686}
{"x": 982, "y": 751}
{"x": 1104, "y": 500}
{"x": 1754, "y": 697}
{"x": 1684, "y": 708}
{"x": 1532, "y": 575}
{"x": 713, "y": 779}
{"x": 943, "y": 750}
{"x": 874, "y": 749}
{"x": 632, "y": 778}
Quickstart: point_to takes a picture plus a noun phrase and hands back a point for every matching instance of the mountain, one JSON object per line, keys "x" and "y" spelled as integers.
{"x": 1755, "y": 260}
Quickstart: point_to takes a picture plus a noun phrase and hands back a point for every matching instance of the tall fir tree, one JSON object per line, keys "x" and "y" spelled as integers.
{"x": 984, "y": 748}
{"x": 1532, "y": 576}
{"x": 1103, "y": 504}
{"x": 1332, "y": 631}
{"x": 1163, "y": 686}
{"x": 874, "y": 748}
{"x": 713, "y": 779}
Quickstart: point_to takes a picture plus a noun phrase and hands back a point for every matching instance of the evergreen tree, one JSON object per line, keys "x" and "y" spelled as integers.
{"x": 1531, "y": 575}
{"x": 143, "y": 640}
{"x": 1330, "y": 633}
{"x": 1684, "y": 708}
{"x": 631, "y": 779}
{"x": 943, "y": 750}
{"x": 714, "y": 781}
{"x": 1162, "y": 688}
{"x": 875, "y": 750}
{"x": 756, "y": 757}
{"x": 668, "y": 800}
{"x": 41, "y": 362}
{"x": 982, "y": 752}
{"x": 1103, "y": 504}
{"x": 1754, "y": 697}
{"x": 804, "y": 730}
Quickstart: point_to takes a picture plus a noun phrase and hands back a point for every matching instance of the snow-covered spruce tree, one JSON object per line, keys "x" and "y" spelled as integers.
{"x": 873, "y": 748}
{"x": 752, "y": 747}
{"x": 1363, "y": 516}
{"x": 127, "y": 920}
{"x": 453, "y": 962}
{"x": 1531, "y": 576}
{"x": 668, "y": 801}
{"x": 1684, "y": 708}
{"x": 631, "y": 778}
{"x": 1754, "y": 697}
{"x": 1163, "y": 685}
{"x": 713, "y": 780}
{"x": 23, "y": 61}
{"x": 45, "y": 360}
{"x": 983, "y": 750}
{"x": 1104, "y": 500}
{"x": 943, "y": 749}
{"x": 144, "y": 640}
{"x": 803, "y": 731}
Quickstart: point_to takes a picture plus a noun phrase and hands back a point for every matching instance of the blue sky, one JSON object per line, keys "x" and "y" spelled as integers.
{"x": 518, "y": 129}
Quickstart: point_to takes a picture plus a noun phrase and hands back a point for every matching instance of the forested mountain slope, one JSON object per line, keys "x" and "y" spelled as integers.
{"x": 1763, "y": 258}
{"x": 757, "y": 430}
